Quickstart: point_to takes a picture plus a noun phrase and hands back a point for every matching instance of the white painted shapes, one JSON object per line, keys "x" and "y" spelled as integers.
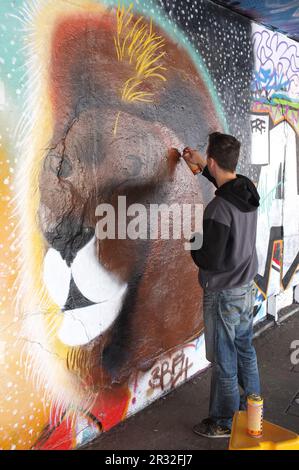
{"x": 290, "y": 251}
{"x": 260, "y": 147}
{"x": 82, "y": 325}
{"x": 270, "y": 188}
{"x": 169, "y": 371}
{"x": 290, "y": 203}
{"x": 276, "y": 64}
{"x": 57, "y": 277}
{"x": 86, "y": 430}
{"x": 279, "y": 301}
{"x": 274, "y": 279}
{"x": 93, "y": 280}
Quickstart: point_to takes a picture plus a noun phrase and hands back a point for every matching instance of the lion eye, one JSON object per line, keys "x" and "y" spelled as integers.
{"x": 59, "y": 165}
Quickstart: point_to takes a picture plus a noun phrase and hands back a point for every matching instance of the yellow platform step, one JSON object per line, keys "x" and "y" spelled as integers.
{"x": 274, "y": 437}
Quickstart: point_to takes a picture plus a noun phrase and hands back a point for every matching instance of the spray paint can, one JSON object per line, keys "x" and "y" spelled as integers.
{"x": 255, "y": 415}
{"x": 194, "y": 168}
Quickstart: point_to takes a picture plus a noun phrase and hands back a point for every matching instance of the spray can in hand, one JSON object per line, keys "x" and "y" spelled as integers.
{"x": 194, "y": 167}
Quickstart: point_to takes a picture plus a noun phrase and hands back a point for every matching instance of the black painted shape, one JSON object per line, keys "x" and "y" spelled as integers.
{"x": 76, "y": 299}
{"x": 117, "y": 357}
{"x": 256, "y": 309}
{"x": 291, "y": 271}
{"x": 276, "y": 233}
{"x": 280, "y": 182}
{"x": 116, "y": 353}
{"x": 293, "y": 408}
{"x": 69, "y": 237}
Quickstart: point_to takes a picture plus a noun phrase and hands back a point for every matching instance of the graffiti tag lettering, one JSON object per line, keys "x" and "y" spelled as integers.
{"x": 168, "y": 373}
{"x": 258, "y": 125}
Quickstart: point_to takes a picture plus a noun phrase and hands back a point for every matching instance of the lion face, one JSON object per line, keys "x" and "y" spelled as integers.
{"x": 118, "y": 303}
{"x": 87, "y": 277}
{"x": 96, "y": 283}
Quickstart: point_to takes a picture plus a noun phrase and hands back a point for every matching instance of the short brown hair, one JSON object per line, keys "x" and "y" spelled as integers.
{"x": 225, "y": 150}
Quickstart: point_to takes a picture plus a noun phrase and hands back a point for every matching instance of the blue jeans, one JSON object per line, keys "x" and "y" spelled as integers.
{"x": 228, "y": 318}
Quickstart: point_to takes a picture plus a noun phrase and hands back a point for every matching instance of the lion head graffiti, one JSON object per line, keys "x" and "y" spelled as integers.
{"x": 110, "y": 92}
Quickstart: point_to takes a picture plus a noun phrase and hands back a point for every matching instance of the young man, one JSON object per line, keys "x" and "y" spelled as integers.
{"x": 227, "y": 264}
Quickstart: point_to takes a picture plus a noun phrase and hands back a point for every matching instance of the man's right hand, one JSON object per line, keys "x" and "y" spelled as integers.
{"x": 193, "y": 157}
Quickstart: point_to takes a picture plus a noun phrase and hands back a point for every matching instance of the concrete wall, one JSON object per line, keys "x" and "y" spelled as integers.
{"x": 91, "y": 96}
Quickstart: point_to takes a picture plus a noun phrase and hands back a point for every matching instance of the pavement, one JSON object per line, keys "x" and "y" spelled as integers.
{"x": 167, "y": 423}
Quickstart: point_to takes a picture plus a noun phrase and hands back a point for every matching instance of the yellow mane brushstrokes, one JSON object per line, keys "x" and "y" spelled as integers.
{"x": 137, "y": 43}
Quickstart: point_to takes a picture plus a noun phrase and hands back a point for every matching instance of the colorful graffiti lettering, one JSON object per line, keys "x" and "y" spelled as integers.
{"x": 275, "y": 148}
{"x": 276, "y": 69}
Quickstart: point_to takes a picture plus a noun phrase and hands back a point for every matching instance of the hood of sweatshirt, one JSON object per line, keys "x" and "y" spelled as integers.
{"x": 241, "y": 192}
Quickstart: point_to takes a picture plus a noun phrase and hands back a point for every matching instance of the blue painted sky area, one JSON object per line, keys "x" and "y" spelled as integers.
{"x": 12, "y": 67}
{"x": 279, "y": 14}
{"x": 12, "y": 75}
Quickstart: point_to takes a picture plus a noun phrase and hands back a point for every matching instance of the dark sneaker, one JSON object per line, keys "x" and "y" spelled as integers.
{"x": 208, "y": 428}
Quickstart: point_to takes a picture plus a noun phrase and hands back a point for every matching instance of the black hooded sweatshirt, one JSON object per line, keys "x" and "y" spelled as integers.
{"x": 228, "y": 255}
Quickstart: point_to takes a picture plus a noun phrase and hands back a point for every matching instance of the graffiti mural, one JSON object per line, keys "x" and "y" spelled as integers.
{"x": 275, "y": 129}
{"x": 92, "y": 95}
{"x": 102, "y": 85}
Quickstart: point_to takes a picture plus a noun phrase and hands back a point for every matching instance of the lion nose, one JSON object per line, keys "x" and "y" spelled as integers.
{"x": 68, "y": 238}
